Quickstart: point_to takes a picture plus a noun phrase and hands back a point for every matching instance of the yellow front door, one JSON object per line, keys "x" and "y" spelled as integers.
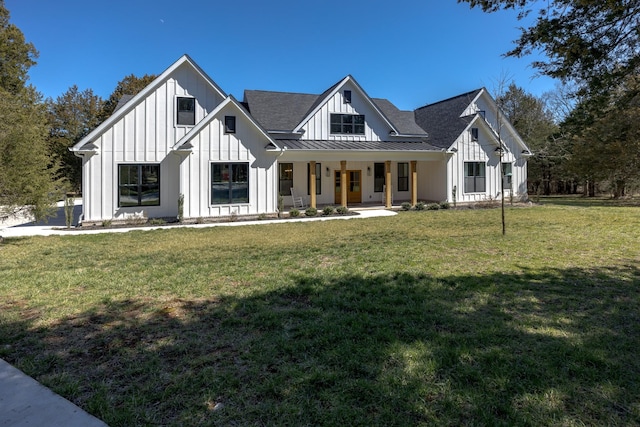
{"x": 354, "y": 187}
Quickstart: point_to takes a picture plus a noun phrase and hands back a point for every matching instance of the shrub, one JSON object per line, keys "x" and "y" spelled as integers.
{"x": 311, "y": 212}
{"x": 294, "y": 213}
{"x": 107, "y": 223}
{"x": 157, "y": 221}
{"x": 420, "y": 206}
{"x": 199, "y": 220}
{"x": 342, "y": 210}
{"x": 328, "y": 210}
{"x": 263, "y": 216}
{"x": 181, "y": 207}
{"x": 433, "y": 206}
{"x": 405, "y": 206}
{"x": 444, "y": 205}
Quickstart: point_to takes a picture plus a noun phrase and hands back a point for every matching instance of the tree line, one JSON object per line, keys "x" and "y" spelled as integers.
{"x": 584, "y": 136}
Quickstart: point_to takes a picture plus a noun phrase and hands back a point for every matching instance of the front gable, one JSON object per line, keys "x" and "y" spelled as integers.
{"x": 147, "y": 126}
{"x": 343, "y": 104}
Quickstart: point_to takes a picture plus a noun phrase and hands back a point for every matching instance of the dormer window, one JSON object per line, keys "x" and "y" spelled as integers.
{"x": 186, "y": 108}
{"x": 474, "y": 134}
{"x": 347, "y": 124}
{"x": 347, "y": 97}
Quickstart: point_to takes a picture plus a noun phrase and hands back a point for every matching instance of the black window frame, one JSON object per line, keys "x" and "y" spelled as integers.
{"x": 474, "y": 134}
{"x": 286, "y": 181}
{"x": 185, "y": 117}
{"x": 347, "y": 97}
{"x": 475, "y": 177}
{"x": 236, "y": 172}
{"x": 347, "y": 124}
{"x": 507, "y": 180}
{"x": 403, "y": 176}
{"x": 229, "y": 124}
{"x": 318, "y": 178}
{"x": 142, "y": 185}
{"x": 379, "y": 178}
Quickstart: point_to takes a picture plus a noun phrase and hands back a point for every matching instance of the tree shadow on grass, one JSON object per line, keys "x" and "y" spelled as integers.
{"x": 504, "y": 349}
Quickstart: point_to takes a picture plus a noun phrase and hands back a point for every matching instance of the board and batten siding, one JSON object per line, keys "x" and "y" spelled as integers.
{"x": 483, "y": 150}
{"x": 145, "y": 134}
{"x": 213, "y": 145}
{"x": 319, "y": 125}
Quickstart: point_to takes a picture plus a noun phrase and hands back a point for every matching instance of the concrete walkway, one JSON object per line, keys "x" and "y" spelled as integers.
{"x": 58, "y": 230}
{"x": 24, "y": 402}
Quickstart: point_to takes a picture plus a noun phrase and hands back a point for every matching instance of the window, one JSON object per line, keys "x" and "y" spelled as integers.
{"x": 229, "y": 124}
{"x": 474, "y": 177}
{"x": 229, "y": 183}
{"x": 347, "y": 97}
{"x": 378, "y": 177}
{"x": 474, "y": 134}
{"x": 186, "y": 111}
{"x": 286, "y": 178}
{"x": 347, "y": 124}
{"x": 403, "y": 176}
{"x": 506, "y": 176}
{"x": 138, "y": 185}
{"x": 318, "y": 178}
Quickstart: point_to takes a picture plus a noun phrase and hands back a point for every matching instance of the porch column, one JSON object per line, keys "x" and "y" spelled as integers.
{"x": 312, "y": 184}
{"x": 387, "y": 184}
{"x": 414, "y": 182}
{"x": 343, "y": 183}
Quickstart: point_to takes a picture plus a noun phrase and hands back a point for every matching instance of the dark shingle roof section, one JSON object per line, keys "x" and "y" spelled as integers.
{"x": 283, "y": 111}
{"x": 442, "y": 121}
{"x": 308, "y": 144}
{"x": 123, "y": 100}
{"x": 403, "y": 121}
{"x": 278, "y": 111}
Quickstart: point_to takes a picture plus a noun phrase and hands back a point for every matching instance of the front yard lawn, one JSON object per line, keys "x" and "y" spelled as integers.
{"x": 425, "y": 318}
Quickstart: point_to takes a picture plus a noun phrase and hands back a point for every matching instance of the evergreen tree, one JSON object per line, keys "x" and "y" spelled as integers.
{"x": 28, "y": 172}
{"x": 71, "y": 117}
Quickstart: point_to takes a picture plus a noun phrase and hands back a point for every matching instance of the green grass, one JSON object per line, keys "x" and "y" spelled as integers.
{"x": 425, "y": 318}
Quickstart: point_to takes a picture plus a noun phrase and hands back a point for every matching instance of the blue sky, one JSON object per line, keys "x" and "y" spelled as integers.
{"x": 412, "y": 52}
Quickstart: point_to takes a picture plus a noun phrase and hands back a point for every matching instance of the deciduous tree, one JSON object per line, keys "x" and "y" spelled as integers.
{"x": 129, "y": 85}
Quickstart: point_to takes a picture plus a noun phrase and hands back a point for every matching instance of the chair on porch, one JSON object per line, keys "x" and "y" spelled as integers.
{"x": 298, "y": 201}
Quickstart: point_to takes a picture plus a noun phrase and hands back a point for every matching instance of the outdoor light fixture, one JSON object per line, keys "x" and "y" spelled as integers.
{"x": 328, "y": 172}
{"x": 368, "y": 170}
{"x": 498, "y": 151}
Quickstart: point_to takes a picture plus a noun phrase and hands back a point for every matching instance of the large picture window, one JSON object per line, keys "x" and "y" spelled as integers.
{"x": 138, "y": 185}
{"x": 229, "y": 183}
{"x": 403, "y": 176}
{"x": 285, "y": 181}
{"x": 474, "y": 177}
{"x": 347, "y": 124}
{"x": 318, "y": 178}
{"x": 186, "y": 108}
{"x": 378, "y": 177}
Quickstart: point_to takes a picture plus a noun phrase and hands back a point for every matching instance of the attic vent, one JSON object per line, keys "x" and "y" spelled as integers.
{"x": 347, "y": 97}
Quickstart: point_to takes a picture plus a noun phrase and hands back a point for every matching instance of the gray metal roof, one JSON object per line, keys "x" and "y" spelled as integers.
{"x": 442, "y": 121}
{"x": 308, "y": 144}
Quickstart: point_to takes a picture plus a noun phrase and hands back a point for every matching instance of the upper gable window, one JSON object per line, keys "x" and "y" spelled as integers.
{"x": 347, "y": 97}
{"x": 186, "y": 111}
{"x": 474, "y": 134}
{"x": 347, "y": 124}
{"x": 229, "y": 124}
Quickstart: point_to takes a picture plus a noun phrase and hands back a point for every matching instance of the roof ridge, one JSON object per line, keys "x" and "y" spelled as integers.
{"x": 450, "y": 99}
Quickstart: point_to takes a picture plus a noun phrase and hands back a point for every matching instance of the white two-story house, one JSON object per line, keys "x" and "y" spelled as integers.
{"x": 184, "y": 144}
